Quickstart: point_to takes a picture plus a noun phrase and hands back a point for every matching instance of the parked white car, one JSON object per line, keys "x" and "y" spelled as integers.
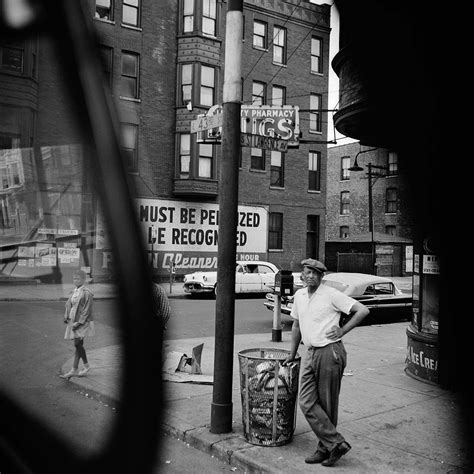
{"x": 250, "y": 277}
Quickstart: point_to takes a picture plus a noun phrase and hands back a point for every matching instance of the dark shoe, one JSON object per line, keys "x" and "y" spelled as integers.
{"x": 337, "y": 453}
{"x": 317, "y": 457}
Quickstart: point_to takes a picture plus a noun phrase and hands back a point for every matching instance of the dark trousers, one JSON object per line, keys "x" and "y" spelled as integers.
{"x": 320, "y": 383}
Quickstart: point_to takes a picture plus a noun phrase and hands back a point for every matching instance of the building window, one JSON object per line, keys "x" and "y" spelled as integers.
{"x": 11, "y": 57}
{"x": 209, "y": 11}
{"x": 107, "y": 54}
{"x": 392, "y": 163}
{"x": 184, "y": 155}
{"x": 391, "y": 200}
{"x": 258, "y": 93}
{"x": 205, "y": 161}
{"x": 129, "y": 79}
{"x": 345, "y": 164}
{"x": 275, "y": 231}
{"x": 315, "y": 114}
{"x": 279, "y": 45}
{"x": 128, "y": 144}
{"x": 260, "y": 38}
{"x": 207, "y": 85}
{"x": 277, "y": 170}
{"x": 344, "y": 209}
{"x": 278, "y": 96}
{"x": 186, "y": 83}
{"x": 257, "y": 159}
{"x": 312, "y": 236}
{"x": 131, "y": 12}
{"x": 316, "y": 55}
{"x": 344, "y": 232}
{"x": 104, "y": 9}
{"x": 391, "y": 230}
{"x": 188, "y": 16}
{"x": 314, "y": 174}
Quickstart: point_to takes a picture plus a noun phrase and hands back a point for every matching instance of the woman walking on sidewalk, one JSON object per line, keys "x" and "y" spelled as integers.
{"x": 80, "y": 323}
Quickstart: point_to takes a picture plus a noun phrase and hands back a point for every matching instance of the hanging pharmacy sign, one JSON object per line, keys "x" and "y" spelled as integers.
{"x": 261, "y": 126}
{"x": 278, "y": 123}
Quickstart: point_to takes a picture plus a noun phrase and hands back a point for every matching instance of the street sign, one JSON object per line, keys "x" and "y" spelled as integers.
{"x": 207, "y": 122}
{"x": 266, "y": 143}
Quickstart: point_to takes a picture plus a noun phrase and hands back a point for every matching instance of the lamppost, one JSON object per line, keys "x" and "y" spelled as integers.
{"x": 370, "y": 181}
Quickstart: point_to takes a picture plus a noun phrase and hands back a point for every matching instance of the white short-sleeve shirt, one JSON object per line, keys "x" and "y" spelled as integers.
{"x": 318, "y": 313}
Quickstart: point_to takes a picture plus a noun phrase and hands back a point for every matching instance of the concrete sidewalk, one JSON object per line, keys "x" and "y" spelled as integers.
{"x": 393, "y": 422}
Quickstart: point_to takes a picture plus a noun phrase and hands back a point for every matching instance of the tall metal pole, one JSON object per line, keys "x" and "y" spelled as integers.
{"x": 371, "y": 217}
{"x": 221, "y": 408}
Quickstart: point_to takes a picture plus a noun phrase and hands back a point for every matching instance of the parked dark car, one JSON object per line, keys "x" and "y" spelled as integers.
{"x": 380, "y": 294}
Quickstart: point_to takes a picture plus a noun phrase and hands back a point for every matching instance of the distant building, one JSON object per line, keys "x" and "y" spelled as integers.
{"x": 348, "y": 226}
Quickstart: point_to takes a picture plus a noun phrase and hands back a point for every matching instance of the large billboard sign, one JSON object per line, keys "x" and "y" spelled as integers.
{"x": 186, "y": 234}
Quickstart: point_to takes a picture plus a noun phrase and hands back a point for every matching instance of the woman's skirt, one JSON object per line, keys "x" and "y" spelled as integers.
{"x": 84, "y": 330}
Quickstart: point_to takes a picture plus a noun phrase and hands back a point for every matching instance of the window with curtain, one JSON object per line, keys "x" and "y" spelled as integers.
{"x": 205, "y": 161}
{"x": 186, "y": 83}
{"x": 275, "y": 231}
{"x": 257, "y": 159}
{"x": 207, "y": 85}
{"x": 314, "y": 175}
{"x": 279, "y": 45}
{"x": 129, "y": 145}
{"x": 391, "y": 230}
{"x": 131, "y": 12}
{"x": 188, "y": 16}
{"x": 277, "y": 170}
{"x": 278, "y": 95}
{"x": 391, "y": 200}
{"x": 184, "y": 155}
{"x": 392, "y": 163}
{"x": 260, "y": 38}
{"x": 258, "y": 93}
{"x": 130, "y": 73}
{"x": 104, "y": 9}
{"x": 344, "y": 203}
{"x": 316, "y": 55}
{"x": 209, "y": 11}
{"x": 345, "y": 165}
{"x": 315, "y": 123}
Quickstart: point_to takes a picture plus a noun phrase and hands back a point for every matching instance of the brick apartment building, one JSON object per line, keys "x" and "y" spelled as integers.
{"x": 164, "y": 63}
{"x": 348, "y": 230}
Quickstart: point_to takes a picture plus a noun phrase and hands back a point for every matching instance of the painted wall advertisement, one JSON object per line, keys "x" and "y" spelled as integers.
{"x": 186, "y": 234}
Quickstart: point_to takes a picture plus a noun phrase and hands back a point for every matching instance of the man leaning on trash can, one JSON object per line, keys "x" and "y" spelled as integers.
{"x": 316, "y": 312}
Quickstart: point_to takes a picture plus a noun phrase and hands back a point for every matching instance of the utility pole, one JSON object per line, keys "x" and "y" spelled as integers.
{"x": 221, "y": 408}
{"x": 371, "y": 217}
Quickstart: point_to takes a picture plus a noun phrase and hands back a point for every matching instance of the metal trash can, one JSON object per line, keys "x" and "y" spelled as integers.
{"x": 269, "y": 393}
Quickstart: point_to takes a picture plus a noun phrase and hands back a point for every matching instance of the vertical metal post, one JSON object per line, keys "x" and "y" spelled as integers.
{"x": 276, "y": 330}
{"x": 371, "y": 217}
{"x": 221, "y": 408}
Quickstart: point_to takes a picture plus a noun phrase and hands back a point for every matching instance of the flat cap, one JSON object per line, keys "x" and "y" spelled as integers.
{"x": 314, "y": 265}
